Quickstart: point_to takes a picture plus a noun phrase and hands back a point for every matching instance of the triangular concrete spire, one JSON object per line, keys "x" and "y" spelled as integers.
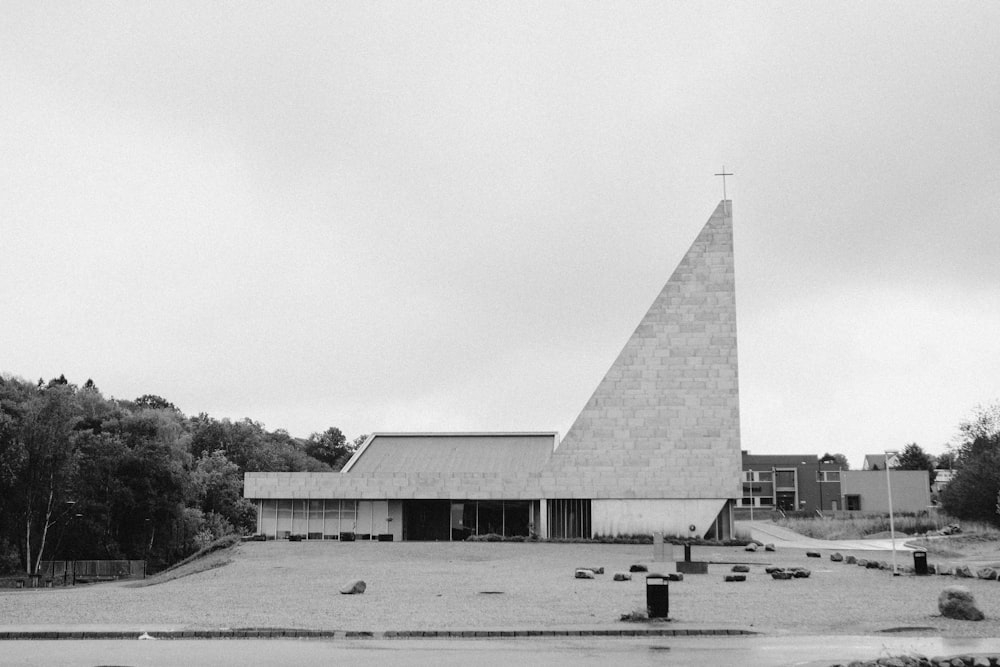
{"x": 664, "y": 421}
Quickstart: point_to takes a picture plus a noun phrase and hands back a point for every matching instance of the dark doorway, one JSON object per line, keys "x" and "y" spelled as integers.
{"x": 786, "y": 501}
{"x": 427, "y": 520}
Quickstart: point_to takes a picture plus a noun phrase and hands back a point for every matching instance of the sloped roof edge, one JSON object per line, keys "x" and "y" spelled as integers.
{"x": 446, "y": 434}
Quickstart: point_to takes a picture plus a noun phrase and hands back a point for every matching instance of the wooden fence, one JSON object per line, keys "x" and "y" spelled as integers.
{"x": 92, "y": 570}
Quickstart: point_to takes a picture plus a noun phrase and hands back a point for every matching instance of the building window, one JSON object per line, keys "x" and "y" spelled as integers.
{"x": 315, "y": 531}
{"x": 757, "y": 501}
{"x": 852, "y": 503}
{"x": 829, "y": 476}
{"x": 569, "y": 518}
{"x": 784, "y": 479}
{"x": 757, "y": 476}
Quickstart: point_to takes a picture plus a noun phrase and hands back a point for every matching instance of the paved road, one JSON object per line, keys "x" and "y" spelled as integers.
{"x": 749, "y": 652}
{"x": 767, "y": 532}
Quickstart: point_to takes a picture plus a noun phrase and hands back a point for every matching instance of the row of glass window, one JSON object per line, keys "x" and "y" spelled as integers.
{"x": 786, "y": 478}
{"x": 757, "y": 501}
{"x": 317, "y": 519}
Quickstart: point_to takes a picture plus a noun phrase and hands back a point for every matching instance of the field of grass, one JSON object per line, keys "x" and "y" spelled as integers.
{"x": 463, "y": 585}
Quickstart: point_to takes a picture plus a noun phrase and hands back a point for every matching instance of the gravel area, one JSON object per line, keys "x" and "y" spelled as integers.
{"x": 419, "y": 585}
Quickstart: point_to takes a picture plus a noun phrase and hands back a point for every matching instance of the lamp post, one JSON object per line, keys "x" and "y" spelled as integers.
{"x": 892, "y": 524}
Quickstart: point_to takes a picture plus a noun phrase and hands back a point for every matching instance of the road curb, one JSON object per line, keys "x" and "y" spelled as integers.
{"x": 297, "y": 633}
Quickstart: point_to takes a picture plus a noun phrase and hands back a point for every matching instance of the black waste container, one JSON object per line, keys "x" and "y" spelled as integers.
{"x": 657, "y": 596}
{"x": 920, "y": 562}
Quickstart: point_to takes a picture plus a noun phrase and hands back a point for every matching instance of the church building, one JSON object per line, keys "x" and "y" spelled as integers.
{"x": 656, "y": 448}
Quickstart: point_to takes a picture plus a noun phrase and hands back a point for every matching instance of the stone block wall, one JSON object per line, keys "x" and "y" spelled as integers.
{"x": 664, "y": 421}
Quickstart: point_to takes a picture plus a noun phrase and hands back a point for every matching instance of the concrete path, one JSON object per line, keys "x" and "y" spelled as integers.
{"x": 767, "y": 532}
{"x": 560, "y": 652}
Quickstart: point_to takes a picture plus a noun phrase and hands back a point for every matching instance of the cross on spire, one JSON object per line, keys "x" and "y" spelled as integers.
{"x": 724, "y": 174}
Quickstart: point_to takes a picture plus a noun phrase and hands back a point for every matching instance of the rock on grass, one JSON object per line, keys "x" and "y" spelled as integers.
{"x": 356, "y": 587}
{"x": 957, "y": 602}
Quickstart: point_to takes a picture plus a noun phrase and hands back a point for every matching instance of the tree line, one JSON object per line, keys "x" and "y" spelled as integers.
{"x": 974, "y": 490}
{"x": 88, "y": 477}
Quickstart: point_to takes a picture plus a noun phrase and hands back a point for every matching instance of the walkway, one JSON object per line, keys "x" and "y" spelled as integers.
{"x": 767, "y": 532}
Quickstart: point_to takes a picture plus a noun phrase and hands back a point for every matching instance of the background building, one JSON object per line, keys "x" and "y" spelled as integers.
{"x": 789, "y": 482}
{"x": 807, "y": 483}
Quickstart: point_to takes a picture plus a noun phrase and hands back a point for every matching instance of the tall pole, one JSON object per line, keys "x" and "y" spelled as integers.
{"x": 892, "y": 524}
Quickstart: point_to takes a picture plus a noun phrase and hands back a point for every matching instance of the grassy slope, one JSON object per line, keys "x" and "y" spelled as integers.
{"x": 216, "y": 554}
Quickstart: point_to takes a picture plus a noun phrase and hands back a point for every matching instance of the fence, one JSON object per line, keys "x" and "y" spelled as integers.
{"x": 93, "y": 570}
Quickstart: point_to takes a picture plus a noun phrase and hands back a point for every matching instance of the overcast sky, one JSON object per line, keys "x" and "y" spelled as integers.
{"x": 451, "y": 216}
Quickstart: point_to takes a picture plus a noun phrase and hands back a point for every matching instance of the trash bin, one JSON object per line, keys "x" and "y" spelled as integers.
{"x": 657, "y": 596}
{"x": 920, "y": 562}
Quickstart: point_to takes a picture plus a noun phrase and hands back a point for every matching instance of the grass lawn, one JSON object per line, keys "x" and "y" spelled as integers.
{"x": 420, "y": 585}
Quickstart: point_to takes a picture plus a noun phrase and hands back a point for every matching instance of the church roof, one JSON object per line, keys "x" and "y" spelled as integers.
{"x": 449, "y": 453}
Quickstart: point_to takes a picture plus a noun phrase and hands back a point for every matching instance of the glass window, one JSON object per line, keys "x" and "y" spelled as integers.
{"x": 463, "y": 520}
{"x": 765, "y": 476}
{"x": 516, "y": 517}
{"x": 331, "y": 520}
{"x": 785, "y": 478}
{"x": 490, "y": 517}
{"x": 284, "y": 517}
{"x": 348, "y": 516}
{"x": 300, "y": 517}
{"x": 315, "y": 520}
{"x": 267, "y": 523}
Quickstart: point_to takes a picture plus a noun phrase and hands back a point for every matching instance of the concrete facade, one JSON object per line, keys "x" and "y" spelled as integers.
{"x": 656, "y": 448}
{"x": 910, "y": 490}
{"x": 664, "y": 421}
